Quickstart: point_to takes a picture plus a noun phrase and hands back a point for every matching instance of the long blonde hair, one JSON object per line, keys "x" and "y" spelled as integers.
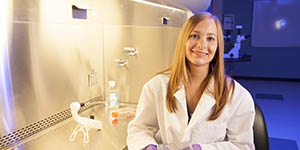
{"x": 180, "y": 71}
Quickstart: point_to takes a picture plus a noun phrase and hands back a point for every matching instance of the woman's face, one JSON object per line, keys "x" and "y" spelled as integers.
{"x": 202, "y": 43}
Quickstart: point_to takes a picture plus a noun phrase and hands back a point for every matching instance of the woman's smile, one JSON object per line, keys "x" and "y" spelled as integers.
{"x": 199, "y": 53}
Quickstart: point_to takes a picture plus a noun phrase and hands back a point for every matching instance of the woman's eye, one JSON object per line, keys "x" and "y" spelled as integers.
{"x": 211, "y": 39}
{"x": 194, "y": 36}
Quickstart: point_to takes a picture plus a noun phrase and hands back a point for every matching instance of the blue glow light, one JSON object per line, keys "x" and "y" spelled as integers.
{"x": 8, "y": 111}
{"x": 280, "y": 24}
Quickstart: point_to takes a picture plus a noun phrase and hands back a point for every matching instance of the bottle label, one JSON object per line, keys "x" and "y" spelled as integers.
{"x": 113, "y": 99}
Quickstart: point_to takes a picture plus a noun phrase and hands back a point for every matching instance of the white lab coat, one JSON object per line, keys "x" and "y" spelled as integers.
{"x": 153, "y": 124}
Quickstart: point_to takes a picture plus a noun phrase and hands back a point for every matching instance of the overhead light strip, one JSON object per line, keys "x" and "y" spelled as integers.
{"x": 157, "y": 5}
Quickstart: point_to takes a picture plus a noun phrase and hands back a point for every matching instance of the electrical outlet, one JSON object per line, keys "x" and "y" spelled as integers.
{"x": 92, "y": 79}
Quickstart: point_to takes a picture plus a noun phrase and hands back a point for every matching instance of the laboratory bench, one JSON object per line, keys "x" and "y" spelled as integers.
{"x": 110, "y": 137}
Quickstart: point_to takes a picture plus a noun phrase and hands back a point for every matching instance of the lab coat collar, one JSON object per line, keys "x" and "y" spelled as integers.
{"x": 181, "y": 97}
{"x": 202, "y": 111}
{"x": 205, "y": 105}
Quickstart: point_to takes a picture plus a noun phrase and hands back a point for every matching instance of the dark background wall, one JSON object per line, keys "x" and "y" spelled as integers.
{"x": 266, "y": 62}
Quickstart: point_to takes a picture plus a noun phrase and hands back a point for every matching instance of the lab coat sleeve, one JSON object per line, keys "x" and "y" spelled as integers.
{"x": 142, "y": 129}
{"x": 239, "y": 128}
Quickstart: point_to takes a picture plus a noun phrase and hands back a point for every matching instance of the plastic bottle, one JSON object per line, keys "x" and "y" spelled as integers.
{"x": 112, "y": 102}
{"x": 112, "y": 97}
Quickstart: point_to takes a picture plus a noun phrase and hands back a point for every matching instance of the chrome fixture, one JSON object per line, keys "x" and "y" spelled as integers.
{"x": 131, "y": 52}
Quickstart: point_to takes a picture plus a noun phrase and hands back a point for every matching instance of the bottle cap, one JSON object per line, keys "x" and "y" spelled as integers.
{"x": 114, "y": 121}
{"x": 114, "y": 114}
{"x": 111, "y": 83}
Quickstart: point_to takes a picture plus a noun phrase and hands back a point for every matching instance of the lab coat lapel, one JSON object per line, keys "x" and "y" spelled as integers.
{"x": 182, "y": 109}
{"x": 204, "y": 106}
{"x": 202, "y": 111}
{"x": 180, "y": 97}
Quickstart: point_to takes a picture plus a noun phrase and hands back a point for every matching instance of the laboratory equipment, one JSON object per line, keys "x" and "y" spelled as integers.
{"x": 112, "y": 102}
{"x": 84, "y": 124}
{"x": 234, "y": 52}
{"x": 112, "y": 97}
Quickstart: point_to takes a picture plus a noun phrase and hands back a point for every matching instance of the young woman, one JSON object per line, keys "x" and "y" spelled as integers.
{"x": 193, "y": 101}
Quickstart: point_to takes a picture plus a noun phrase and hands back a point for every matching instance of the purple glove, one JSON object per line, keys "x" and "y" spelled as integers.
{"x": 196, "y": 147}
{"x": 150, "y": 147}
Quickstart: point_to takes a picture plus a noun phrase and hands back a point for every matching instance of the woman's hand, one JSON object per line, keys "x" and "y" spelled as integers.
{"x": 196, "y": 147}
{"x": 151, "y": 147}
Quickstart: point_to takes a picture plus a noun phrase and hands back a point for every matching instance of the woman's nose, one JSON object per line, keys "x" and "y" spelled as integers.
{"x": 201, "y": 43}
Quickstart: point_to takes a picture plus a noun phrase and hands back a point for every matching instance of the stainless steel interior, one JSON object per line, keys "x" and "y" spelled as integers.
{"x": 57, "y": 137}
{"x": 54, "y": 60}
{"x": 29, "y": 132}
